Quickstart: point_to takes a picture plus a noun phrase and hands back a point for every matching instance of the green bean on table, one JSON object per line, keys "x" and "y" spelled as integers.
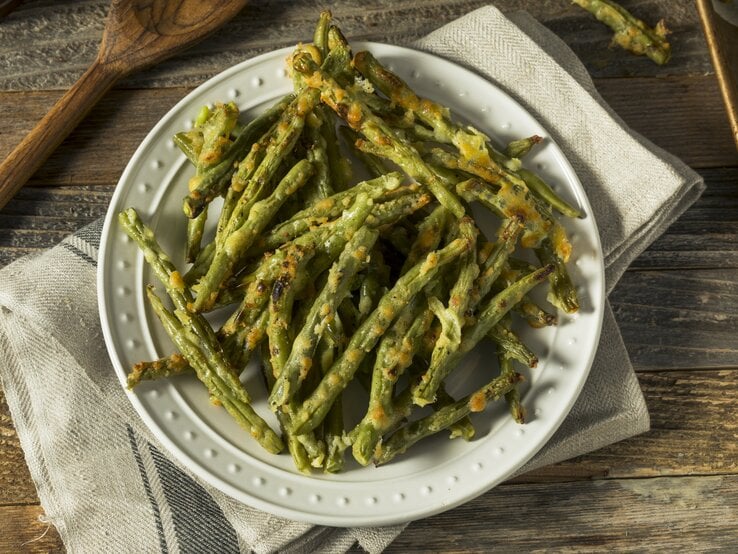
{"x": 630, "y": 32}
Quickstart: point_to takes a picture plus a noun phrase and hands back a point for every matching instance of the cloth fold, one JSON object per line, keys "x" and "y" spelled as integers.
{"x": 104, "y": 481}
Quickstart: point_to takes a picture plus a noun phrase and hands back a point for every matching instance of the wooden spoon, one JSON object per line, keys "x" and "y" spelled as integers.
{"x": 138, "y": 33}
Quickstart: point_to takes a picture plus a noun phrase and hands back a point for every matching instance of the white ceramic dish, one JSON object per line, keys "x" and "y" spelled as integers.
{"x": 437, "y": 474}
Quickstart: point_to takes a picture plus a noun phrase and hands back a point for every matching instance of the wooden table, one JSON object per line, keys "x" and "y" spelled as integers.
{"x": 675, "y": 487}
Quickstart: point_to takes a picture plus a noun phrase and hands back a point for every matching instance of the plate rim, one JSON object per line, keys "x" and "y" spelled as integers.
{"x": 185, "y": 459}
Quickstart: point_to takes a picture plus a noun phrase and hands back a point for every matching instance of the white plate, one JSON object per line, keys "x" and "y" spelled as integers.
{"x": 437, "y": 474}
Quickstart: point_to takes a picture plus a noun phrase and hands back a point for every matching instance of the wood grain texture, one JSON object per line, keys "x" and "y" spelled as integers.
{"x": 40, "y": 217}
{"x": 16, "y": 486}
{"x": 671, "y": 112}
{"x": 31, "y": 152}
{"x": 679, "y": 319}
{"x": 7, "y": 6}
{"x": 111, "y": 132}
{"x": 686, "y": 514}
{"x": 26, "y": 531}
{"x": 693, "y": 429}
{"x": 72, "y": 31}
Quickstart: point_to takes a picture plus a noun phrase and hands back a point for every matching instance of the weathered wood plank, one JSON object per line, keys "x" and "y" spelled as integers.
{"x": 8, "y": 255}
{"x": 693, "y": 427}
{"x": 686, "y": 514}
{"x": 673, "y": 112}
{"x": 115, "y": 128}
{"x": 99, "y": 149}
{"x": 16, "y": 486}
{"x": 23, "y": 530}
{"x": 679, "y": 319}
{"x": 47, "y": 44}
{"x": 38, "y": 218}
{"x": 39, "y": 205}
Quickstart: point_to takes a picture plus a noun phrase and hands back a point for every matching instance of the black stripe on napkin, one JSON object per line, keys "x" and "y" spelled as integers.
{"x": 91, "y": 233}
{"x": 77, "y": 252}
{"x": 199, "y": 522}
{"x": 147, "y": 488}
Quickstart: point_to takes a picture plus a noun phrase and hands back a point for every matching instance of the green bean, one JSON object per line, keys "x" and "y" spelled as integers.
{"x": 401, "y": 440}
{"x": 351, "y": 260}
{"x": 281, "y": 303}
{"x": 320, "y": 37}
{"x": 294, "y": 446}
{"x": 338, "y": 62}
{"x": 190, "y": 143}
{"x": 195, "y": 230}
{"x": 317, "y": 154}
{"x": 325, "y": 209}
{"x": 390, "y": 212}
{"x": 329, "y": 241}
{"x": 562, "y": 293}
{"x": 463, "y": 428}
{"x": 339, "y": 167}
{"x": 512, "y": 397}
{"x": 511, "y": 201}
{"x": 491, "y": 313}
{"x": 360, "y": 118}
{"x": 158, "y": 369}
{"x": 334, "y": 435}
{"x": 372, "y": 163}
{"x": 201, "y": 362}
{"x": 428, "y": 238}
{"x": 511, "y": 345}
{"x": 252, "y": 178}
{"x": 471, "y": 144}
{"x": 213, "y": 182}
{"x": 452, "y": 318}
{"x": 238, "y": 242}
{"x": 216, "y": 135}
{"x": 181, "y": 297}
{"x": 538, "y": 187}
{"x": 536, "y": 316}
{"x": 492, "y": 266}
{"x": 630, "y": 32}
{"x": 372, "y": 286}
{"x": 521, "y": 147}
{"x": 241, "y": 344}
{"x": 375, "y": 422}
{"x": 365, "y": 338}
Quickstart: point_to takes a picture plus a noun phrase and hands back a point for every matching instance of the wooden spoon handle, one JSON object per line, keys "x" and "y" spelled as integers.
{"x": 48, "y": 133}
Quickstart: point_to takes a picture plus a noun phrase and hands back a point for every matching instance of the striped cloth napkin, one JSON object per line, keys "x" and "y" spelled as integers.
{"x": 107, "y": 485}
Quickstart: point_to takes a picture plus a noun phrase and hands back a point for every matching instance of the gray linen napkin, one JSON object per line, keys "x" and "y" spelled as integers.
{"x": 104, "y": 481}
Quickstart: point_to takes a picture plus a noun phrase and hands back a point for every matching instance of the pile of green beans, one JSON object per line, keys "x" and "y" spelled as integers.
{"x": 332, "y": 279}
